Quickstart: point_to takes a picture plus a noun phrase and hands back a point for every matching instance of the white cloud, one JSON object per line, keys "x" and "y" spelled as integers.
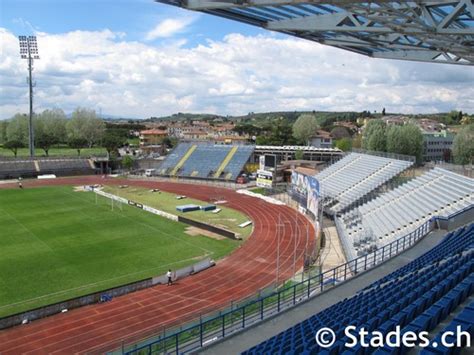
{"x": 169, "y": 27}
{"x": 236, "y": 75}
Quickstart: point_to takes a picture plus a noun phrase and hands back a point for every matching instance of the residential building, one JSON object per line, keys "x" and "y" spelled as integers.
{"x": 233, "y": 139}
{"x": 437, "y": 145}
{"x": 429, "y": 125}
{"x": 351, "y": 126}
{"x": 395, "y": 120}
{"x": 152, "y": 137}
{"x": 321, "y": 139}
{"x": 194, "y": 134}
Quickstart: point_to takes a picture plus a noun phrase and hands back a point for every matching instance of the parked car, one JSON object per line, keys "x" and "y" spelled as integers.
{"x": 242, "y": 180}
{"x": 150, "y": 172}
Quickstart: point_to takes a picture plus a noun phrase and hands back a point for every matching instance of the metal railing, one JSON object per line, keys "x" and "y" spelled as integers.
{"x": 206, "y": 182}
{"x": 409, "y": 158}
{"x": 210, "y": 329}
{"x": 466, "y": 170}
{"x": 51, "y": 157}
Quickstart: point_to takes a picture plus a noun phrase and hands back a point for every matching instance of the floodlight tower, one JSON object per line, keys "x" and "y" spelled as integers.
{"x": 29, "y": 51}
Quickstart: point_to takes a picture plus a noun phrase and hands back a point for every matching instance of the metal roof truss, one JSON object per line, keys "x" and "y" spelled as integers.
{"x": 426, "y": 31}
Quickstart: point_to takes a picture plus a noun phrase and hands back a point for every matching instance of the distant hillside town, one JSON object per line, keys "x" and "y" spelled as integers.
{"x": 430, "y": 138}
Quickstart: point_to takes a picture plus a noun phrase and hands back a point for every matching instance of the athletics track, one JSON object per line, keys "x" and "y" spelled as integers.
{"x": 130, "y": 318}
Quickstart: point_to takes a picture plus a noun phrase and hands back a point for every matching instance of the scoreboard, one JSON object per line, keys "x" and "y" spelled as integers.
{"x": 265, "y": 179}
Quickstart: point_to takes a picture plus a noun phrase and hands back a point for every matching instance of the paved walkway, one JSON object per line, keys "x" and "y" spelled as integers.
{"x": 332, "y": 254}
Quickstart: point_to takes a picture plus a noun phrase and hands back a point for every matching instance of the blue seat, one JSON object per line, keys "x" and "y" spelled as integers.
{"x": 438, "y": 282}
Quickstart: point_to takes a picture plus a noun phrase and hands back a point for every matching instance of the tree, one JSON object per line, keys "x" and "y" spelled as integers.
{"x": 282, "y": 134}
{"x": 299, "y": 154}
{"x": 112, "y": 142}
{"x": 305, "y": 127}
{"x": 262, "y": 140}
{"x": 463, "y": 145}
{"x": 78, "y": 144}
{"x": 454, "y": 116}
{"x": 13, "y": 145}
{"x": 394, "y": 139}
{"x": 3, "y": 131}
{"x": 17, "y": 129}
{"x": 54, "y": 121}
{"x": 85, "y": 124}
{"x": 344, "y": 144}
{"x": 383, "y": 111}
{"x": 127, "y": 162}
{"x": 45, "y": 141}
{"x": 413, "y": 141}
{"x": 406, "y": 139}
{"x": 374, "y": 136}
{"x": 50, "y": 129}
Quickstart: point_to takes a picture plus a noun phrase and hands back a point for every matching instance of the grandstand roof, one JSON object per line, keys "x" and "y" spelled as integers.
{"x": 422, "y": 30}
{"x": 296, "y": 147}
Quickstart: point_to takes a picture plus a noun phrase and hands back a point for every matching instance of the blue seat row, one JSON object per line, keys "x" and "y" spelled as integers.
{"x": 236, "y": 164}
{"x": 416, "y": 297}
{"x": 452, "y": 243}
{"x": 465, "y": 322}
{"x": 206, "y": 159}
{"x": 173, "y": 158}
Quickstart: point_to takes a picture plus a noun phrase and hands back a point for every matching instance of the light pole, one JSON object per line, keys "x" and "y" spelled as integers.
{"x": 278, "y": 250}
{"x": 29, "y": 51}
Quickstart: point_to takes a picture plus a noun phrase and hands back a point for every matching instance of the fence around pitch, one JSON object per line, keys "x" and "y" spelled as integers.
{"x": 195, "y": 181}
{"x": 210, "y": 329}
{"x": 4, "y": 158}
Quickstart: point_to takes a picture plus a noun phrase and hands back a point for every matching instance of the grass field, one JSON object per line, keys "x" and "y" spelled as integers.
{"x": 258, "y": 190}
{"x": 56, "y": 244}
{"x": 228, "y": 218}
{"x": 60, "y": 152}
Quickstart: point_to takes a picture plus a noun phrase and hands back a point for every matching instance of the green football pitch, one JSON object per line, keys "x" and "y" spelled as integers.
{"x": 56, "y": 243}
{"x": 227, "y": 218}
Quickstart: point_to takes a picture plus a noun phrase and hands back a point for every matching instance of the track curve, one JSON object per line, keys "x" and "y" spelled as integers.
{"x": 103, "y": 327}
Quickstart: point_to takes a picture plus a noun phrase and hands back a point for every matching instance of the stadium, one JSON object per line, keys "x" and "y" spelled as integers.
{"x": 187, "y": 254}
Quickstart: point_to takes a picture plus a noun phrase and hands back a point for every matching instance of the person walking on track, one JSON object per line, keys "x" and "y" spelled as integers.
{"x": 169, "y": 275}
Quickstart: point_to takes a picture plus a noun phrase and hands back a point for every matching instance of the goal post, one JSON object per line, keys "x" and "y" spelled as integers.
{"x": 108, "y": 200}
{"x": 116, "y": 204}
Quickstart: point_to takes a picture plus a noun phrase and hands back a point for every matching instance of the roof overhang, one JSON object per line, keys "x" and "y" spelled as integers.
{"x": 419, "y": 30}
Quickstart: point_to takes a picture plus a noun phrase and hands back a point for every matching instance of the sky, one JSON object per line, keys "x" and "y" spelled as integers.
{"x": 138, "y": 58}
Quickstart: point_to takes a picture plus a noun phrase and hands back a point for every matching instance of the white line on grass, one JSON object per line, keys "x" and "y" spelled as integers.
{"x": 100, "y": 282}
{"x": 29, "y": 231}
{"x": 209, "y": 252}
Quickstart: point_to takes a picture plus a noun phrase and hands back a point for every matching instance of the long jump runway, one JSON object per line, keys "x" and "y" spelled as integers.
{"x": 126, "y": 319}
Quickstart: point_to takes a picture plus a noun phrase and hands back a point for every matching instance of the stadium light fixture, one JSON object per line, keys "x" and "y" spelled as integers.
{"x": 29, "y": 51}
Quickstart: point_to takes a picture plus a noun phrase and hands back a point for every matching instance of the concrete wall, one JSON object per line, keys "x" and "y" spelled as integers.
{"x": 49, "y": 310}
{"x": 208, "y": 227}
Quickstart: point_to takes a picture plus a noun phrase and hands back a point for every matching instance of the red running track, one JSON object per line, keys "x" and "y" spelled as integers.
{"x": 103, "y": 327}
